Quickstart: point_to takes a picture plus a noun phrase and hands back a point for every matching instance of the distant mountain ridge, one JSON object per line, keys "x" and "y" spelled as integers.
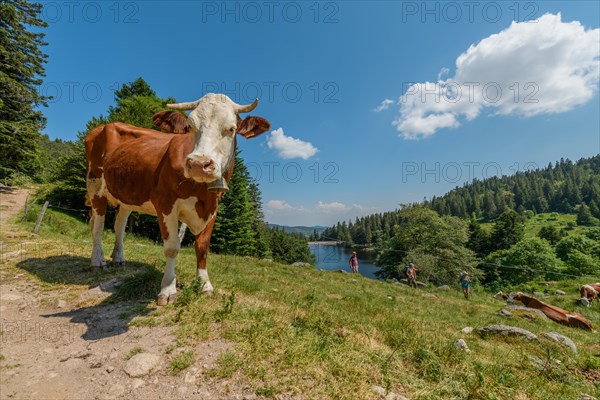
{"x": 303, "y": 230}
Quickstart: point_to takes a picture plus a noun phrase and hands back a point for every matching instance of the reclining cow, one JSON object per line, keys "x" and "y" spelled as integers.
{"x": 175, "y": 177}
{"x": 557, "y": 314}
{"x": 590, "y": 292}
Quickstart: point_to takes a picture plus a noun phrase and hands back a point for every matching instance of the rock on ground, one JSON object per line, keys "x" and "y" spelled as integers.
{"x": 387, "y": 396}
{"x": 528, "y": 309}
{"x": 506, "y": 331}
{"x": 460, "y": 344}
{"x": 586, "y": 396}
{"x": 467, "y": 329}
{"x": 301, "y": 264}
{"x": 562, "y": 340}
{"x": 505, "y": 313}
{"x": 141, "y": 364}
{"x": 444, "y": 287}
{"x": 560, "y": 293}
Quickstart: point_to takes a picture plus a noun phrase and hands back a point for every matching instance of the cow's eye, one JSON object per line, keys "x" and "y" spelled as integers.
{"x": 232, "y": 130}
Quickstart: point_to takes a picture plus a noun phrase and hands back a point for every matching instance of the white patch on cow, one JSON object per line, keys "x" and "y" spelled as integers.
{"x": 202, "y": 274}
{"x": 214, "y": 122}
{"x": 171, "y": 249}
{"x": 186, "y": 210}
{"x": 97, "y": 225}
{"x": 118, "y": 254}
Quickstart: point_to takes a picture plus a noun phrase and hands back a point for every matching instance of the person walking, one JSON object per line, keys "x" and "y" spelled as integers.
{"x": 411, "y": 275}
{"x": 465, "y": 284}
{"x": 353, "y": 262}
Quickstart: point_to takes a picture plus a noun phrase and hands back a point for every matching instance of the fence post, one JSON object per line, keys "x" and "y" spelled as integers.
{"x": 26, "y": 211}
{"x": 39, "y": 218}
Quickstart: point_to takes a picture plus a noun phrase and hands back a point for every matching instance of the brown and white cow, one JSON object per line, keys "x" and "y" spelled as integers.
{"x": 557, "y": 314}
{"x": 175, "y": 177}
{"x": 590, "y": 292}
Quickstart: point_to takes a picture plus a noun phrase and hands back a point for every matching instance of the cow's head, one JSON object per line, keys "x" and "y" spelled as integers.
{"x": 214, "y": 121}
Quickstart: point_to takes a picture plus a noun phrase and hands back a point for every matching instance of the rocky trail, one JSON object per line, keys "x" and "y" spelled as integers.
{"x": 51, "y": 347}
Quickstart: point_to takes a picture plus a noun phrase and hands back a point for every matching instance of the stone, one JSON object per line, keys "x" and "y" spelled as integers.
{"x": 505, "y": 313}
{"x": 538, "y": 294}
{"x": 141, "y": 364}
{"x": 394, "y": 281}
{"x": 467, "y": 329}
{"x": 387, "y": 396}
{"x": 301, "y": 264}
{"x": 506, "y": 330}
{"x": 562, "y": 340}
{"x": 560, "y": 293}
{"x": 404, "y": 280}
{"x": 420, "y": 284}
{"x": 586, "y": 396}
{"x": 460, "y": 344}
{"x": 110, "y": 369}
{"x": 444, "y": 287}
{"x": 535, "y": 311}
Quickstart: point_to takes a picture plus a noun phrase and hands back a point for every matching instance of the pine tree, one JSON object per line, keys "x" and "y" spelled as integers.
{"x": 21, "y": 69}
{"x": 584, "y": 216}
{"x": 233, "y": 232}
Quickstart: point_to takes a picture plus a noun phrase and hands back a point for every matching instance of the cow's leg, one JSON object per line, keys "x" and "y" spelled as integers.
{"x": 202, "y": 244}
{"x": 118, "y": 255}
{"x": 169, "y": 231}
{"x": 99, "y": 205}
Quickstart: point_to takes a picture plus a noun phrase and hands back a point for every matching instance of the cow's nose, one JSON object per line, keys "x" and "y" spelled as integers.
{"x": 203, "y": 164}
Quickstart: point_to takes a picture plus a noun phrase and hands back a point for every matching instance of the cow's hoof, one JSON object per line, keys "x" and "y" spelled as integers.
{"x": 207, "y": 292}
{"x": 172, "y": 298}
{"x": 162, "y": 300}
{"x": 97, "y": 267}
{"x": 118, "y": 263}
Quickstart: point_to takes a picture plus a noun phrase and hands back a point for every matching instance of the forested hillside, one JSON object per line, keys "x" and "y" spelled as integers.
{"x": 483, "y": 225}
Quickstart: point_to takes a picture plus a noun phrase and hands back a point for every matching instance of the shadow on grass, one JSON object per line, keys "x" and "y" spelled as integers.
{"x": 123, "y": 293}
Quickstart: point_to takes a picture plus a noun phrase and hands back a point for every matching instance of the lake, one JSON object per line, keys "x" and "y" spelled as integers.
{"x": 330, "y": 257}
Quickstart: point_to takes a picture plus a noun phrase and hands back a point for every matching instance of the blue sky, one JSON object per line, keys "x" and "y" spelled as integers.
{"x": 323, "y": 70}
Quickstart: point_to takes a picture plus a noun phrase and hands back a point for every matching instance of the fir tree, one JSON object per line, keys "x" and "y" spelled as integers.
{"x": 21, "y": 69}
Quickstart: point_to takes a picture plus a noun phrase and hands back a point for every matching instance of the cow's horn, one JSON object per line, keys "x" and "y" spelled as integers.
{"x": 247, "y": 108}
{"x": 184, "y": 106}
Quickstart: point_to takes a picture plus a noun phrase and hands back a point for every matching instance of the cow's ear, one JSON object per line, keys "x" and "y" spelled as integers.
{"x": 171, "y": 121}
{"x": 252, "y": 126}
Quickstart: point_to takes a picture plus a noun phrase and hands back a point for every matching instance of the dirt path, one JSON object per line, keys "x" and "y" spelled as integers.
{"x": 53, "y": 347}
{"x": 12, "y": 201}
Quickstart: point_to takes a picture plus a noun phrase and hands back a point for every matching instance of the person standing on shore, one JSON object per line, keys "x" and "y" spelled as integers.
{"x": 465, "y": 284}
{"x": 353, "y": 262}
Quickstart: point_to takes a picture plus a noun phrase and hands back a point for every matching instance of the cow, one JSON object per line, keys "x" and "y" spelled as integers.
{"x": 557, "y": 314}
{"x": 176, "y": 177}
{"x": 590, "y": 292}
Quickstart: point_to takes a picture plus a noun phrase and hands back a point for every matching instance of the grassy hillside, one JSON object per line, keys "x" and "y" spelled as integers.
{"x": 560, "y": 221}
{"x": 318, "y": 333}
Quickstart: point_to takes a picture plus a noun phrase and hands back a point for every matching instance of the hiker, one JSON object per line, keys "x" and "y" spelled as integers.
{"x": 353, "y": 262}
{"x": 411, "y": 275}
{"x": 465, "y": 284}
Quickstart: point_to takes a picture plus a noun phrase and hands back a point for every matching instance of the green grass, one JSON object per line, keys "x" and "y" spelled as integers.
{"x": 181, "y": 362}
{"x": 533, "y": 225}
{"x": 133, "y": 352}
{"x": 329, "y": 335}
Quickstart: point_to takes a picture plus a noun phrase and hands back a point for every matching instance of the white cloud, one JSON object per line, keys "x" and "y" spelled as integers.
{"x": 331, "y": 207}
{"x": 281, "y": 205}
{"x": 528, "y": 69}
{"x": 288, "y": 147}
{"x": 321, "y": 213}
{"x": 385, "y": 104}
